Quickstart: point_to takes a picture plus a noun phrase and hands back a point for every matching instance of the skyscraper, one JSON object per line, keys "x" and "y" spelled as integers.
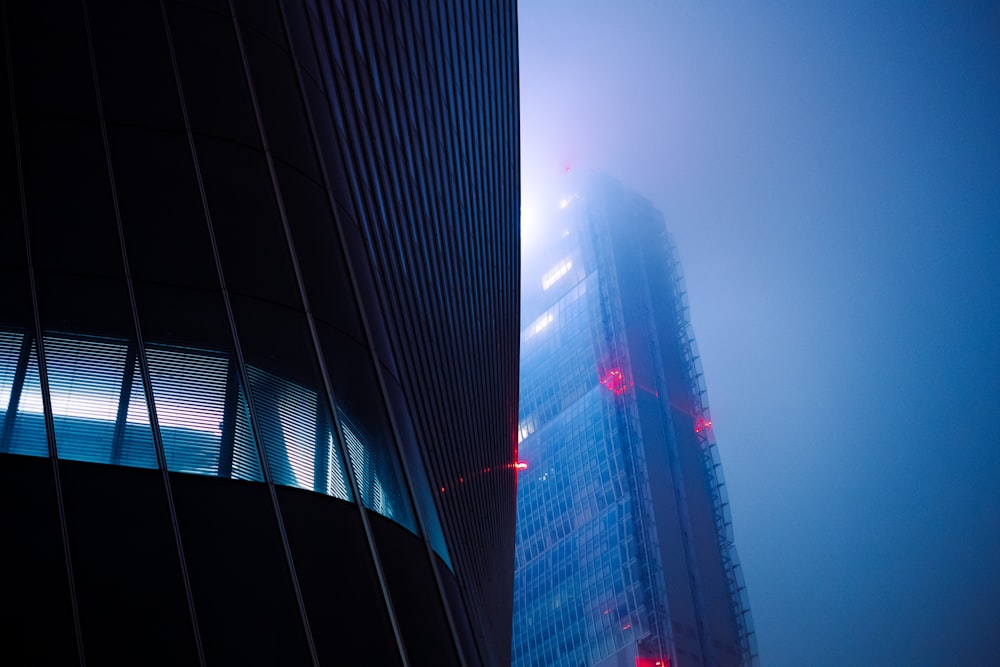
{"x": 258, "y": 332}
{"x": 624, "y": 543}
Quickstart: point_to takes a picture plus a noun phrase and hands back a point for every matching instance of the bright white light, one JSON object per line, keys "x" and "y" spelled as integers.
{"x": 84, "y": 404}
{"x": 568, "y": 200}
{"x": 531, "y": 223}
{"x": 555, "y": 273}
{"x": 542, "y": 322}
{"x": 529, "y": 218}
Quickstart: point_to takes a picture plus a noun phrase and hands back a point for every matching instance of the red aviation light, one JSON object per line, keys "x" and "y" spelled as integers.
{"x": 652, "y": 662}
{"x": 521, "y": 465}
{"x": 614, "y": 380}
{"x": 702, "y": 424}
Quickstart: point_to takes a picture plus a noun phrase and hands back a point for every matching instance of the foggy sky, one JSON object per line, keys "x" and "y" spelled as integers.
{"x": 831, "y": 173}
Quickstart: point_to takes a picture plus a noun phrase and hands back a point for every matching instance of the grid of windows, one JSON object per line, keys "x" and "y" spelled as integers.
{"x": 577, "y": 564}
{"x": 624, "y": 547}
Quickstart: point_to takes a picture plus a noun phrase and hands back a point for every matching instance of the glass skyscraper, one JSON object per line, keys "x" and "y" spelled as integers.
{"x": 624, "y": 550}
{"x": 258, "y": 332}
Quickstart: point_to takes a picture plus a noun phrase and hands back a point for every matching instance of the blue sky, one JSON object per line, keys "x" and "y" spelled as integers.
{"x": 831, "y": 172}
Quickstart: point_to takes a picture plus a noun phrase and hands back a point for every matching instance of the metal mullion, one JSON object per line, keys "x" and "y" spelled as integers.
{"x": 16, "y": 387}
{"x": 230, "y": 414}
{"x": 124, "y": 398}
{"x": 141, "y": 349}
{"x": 39, "y": 349}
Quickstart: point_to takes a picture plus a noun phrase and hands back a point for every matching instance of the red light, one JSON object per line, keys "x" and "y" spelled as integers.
{"x": 521, "y": 465}
{"x": 614, "y": 380}
{"x": 702, "y": 424}
{"x": 442, "y": 489}
{"x": 652, "y": 662}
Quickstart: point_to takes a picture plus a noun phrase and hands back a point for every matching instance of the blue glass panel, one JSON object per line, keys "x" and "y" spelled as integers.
{"x": 98, "y": 403}
{"x": 202, "y": 414}
{"x": 22, "y": 429}
{"x": 379, "y": 478}
{"x": 246, "y": 460}
{"x": 297, "y": 437}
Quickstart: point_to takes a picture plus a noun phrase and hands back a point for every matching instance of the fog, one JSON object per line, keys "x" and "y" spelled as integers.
{"x": 831, "y": 173}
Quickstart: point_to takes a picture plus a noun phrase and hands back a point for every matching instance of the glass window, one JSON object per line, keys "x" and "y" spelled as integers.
{"x": 295, "y": 427}
{"x": 202, "y": 413}
{"x": 23, "y": 425}
{"x": 379, "y": 491}
{"x": 99, "y": 409}
{"x": 365, "y": 428}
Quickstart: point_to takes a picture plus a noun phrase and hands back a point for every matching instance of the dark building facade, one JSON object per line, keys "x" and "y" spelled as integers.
{"x": 625, "y": 552}
{"x": 258, "y": 332}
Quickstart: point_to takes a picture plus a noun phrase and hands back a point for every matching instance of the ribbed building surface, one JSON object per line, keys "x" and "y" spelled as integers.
{"x": 625, "y": 553}
{"x": 258, "y": 332}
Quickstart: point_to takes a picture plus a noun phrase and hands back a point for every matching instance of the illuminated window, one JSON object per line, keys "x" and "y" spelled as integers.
{"x": 555, "y": 273}
{"x": 542, "y": 322}
{"x": 23, "y": 425}
{"x": 526, "y": 428}
{"x": 297, "y": 436}
{"x": 99, "y": 409}
{"x": 202, "y": 413}
{"x": 380, "y": 482}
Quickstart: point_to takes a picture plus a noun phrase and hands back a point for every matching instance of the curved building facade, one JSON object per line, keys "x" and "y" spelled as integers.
{"x": 258, "y": 332}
